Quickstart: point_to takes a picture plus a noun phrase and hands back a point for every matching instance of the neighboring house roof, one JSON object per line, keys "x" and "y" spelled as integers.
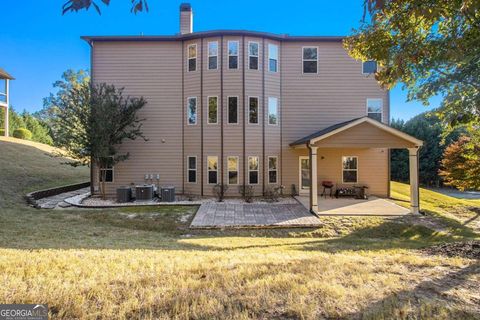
{"x": 5, "y": 75}
{"x": 339, "y": 127}
{"x": 215, "y": 33}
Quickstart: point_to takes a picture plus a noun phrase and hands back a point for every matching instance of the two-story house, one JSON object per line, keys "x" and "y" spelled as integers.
{"x": 240, "y": 108}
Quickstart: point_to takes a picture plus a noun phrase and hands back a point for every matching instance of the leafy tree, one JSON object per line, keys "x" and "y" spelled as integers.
{"x": 461, "y": 164}
{"x": 94, "y": 120}
{"x": 431, "y": 46}
{"x": 39, "y": 130}
{"x": 77, "y": 5}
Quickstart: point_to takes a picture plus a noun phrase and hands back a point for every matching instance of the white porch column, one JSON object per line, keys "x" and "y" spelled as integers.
{"x": 313, "y": 179}
{"x": 414, "y": 189}
{"x": 8, "y": 105}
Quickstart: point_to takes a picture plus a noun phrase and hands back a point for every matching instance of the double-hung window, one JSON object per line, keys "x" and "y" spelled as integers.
{"x": 310, "y": 60}
{"x": 350, "y": 169}
{"x": 272, "y": 169}
{"x": 272, "y": 57}
{"x": 253, "y": 110}
{"x": 233, "y": 110}
{"x": 253, "y": 55}
{"x": 369, "y": 67}
{"x": 192, "y": 110}
{"x": 272, "y": 110}
{"x": 253, "y": 166}
{"x": 375, "y": 108}
{"x": 192, "y": 57}
{"x": 192, "y": 169}
{"x": 106, "y": 173}
{"x": 212, "y": 110}
{"x": 212, "y": 55}
{"x": 232, "y": 168}
{"x": 212, "y": 169}
{"x": 232, "y": 54}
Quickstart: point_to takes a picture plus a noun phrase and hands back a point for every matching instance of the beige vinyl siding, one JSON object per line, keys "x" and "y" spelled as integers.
{"x": 142, "y": 68}
{"x": 311, "y": 102}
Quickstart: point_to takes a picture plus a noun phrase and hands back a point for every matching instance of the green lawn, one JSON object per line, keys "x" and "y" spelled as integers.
{"x": 146, "y": 263}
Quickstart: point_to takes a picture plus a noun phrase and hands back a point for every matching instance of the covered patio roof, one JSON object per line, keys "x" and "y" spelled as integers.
{"x": 5, "y": 75}
{"x": 359, "y": 132}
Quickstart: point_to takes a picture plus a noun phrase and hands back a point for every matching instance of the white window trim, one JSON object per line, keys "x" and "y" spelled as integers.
{"x": 228, "y": 110}
{"x": 188, "y": 57}
{"x": 257, "y": 56}
{"x": 238, "y": 171}
{"x": 100, "y": 172}
{"x": 208, "y": 111}
{"x": 302, "y": 189}
{"x": 268, "y": 112}
{"x": 268, "y": 169}
{"x": 366, "y": 107}
{"x": 367, "y": 73}
{"x": 248, "y": 111}
{"x": 278, "y": 57}
{"x": 343, "y": 181}
{"x": 303, "y": 60}
{"x": 211, "y": 55}
{"x": 196, "y": 111}
{"x": 258, "y": 170}
{"x": 208, "y": 171}
{"x": 196, "y": 169}
{"x": 233, "y": 55}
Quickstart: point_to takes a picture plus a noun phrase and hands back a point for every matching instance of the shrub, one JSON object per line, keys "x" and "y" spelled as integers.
{"x": 22, "y": 133}
{"x": 2, "y": 132}
{"x": 219, "y": 191}
{"x": 273, "y": 193}
{"x": 247, "y": 193}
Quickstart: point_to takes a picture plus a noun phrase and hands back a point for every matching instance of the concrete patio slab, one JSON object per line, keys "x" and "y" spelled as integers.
{"x": 356, "y": 207}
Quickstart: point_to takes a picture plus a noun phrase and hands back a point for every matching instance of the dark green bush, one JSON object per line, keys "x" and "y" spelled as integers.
{"x": 2, "y": 132}
{"x": 22, "y": 133}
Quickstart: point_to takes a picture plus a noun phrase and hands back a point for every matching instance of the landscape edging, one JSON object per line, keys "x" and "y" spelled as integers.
{"x": 32, "y": 197}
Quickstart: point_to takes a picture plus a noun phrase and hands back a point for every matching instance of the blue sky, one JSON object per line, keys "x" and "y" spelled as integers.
{"x": 38, "y": 43}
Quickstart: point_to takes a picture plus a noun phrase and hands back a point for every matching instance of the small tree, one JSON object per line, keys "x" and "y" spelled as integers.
{"x": 94, "y": 121}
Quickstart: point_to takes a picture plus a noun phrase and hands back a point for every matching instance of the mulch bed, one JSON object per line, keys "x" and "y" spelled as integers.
{"x": 468, "y": 249}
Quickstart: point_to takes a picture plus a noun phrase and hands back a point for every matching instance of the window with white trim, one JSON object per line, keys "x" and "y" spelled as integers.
{"x": 310, "y": 60}
{"x": 375, "y": 109}
{"x": 272, "y": 111}
{"x": 213, "y": 55}
{"x": 232, "y": 54}
{"x": 253, "y": 110}
{"x": 272, "y": 169}
{"x": 369, "y": 67}
{"x": 350, "y": 169}
{"x": 107, "y": 173}
{"x": 192, "y": 169}
{"x": 212, "y": 169}
{"x": 232, "y": 170}
{"x": 192, "y": 110}
{"x": 212, "y": 110}
{"x": 233, "y": 110}
{"x": 192, "y": 57}
{"x": 253, "y": 55}
{"x": 272, "y": 57}
{"x": 253, "y": 166}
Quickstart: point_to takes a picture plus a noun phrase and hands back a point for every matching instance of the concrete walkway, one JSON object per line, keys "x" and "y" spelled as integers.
{"x": 58, "y": 200}
{"x": 230, "y": 215}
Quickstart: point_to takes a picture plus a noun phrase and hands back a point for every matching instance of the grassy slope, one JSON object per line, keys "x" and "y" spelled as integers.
{"x": 145, "y": 263}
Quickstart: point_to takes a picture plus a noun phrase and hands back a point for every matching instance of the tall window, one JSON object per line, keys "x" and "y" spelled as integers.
{"x": 192, "y": 57}
{"x": 192, "y": 110}
{"x": 272, "y": 57}
{"x": 375, "y": 109}
{"x": 253, "y": 55}
{"x": 272, "y": 110}
{"x": 253, "y": 170}
{"x": 212, "y": 55}
{"x": 232, "y": 168}
{"x": 106, "y": 173}
{"x": 369, "y": 67}
{"x": 212, "y": 110}
{"x": 272, "y": 169}
{"x": 253, "y": 110}
{"x": 310, "y": 60}
{"x": 350, "y": 169}
{"x": 233, "y": 110}
{"x": 232, "y": 54}
{"x": 212, "y": 170}
{"x": 192, "y": 169}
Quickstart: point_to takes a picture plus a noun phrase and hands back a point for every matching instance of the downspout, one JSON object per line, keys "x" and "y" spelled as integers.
{"x": 92, "y": 175}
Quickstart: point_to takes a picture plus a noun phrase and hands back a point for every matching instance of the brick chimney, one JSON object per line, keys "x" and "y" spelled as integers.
{"x": 186, "y": 18}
